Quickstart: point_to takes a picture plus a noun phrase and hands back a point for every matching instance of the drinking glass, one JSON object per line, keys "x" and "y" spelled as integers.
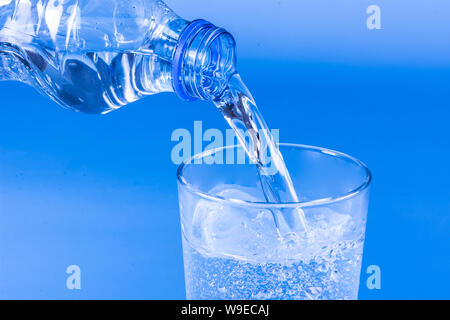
{"x": 232, "y": 246}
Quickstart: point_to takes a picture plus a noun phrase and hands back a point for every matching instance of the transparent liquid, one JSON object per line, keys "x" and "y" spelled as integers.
{"x": 241, "y": 112}
{"x": 88, "y": 56}
{"x": 92, "y": 82}
{"x": 235, "y": 253}
{"x": 330, "y": 276}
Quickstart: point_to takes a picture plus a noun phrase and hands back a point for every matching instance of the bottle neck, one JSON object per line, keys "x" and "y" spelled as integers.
{"x": 203, "y": 62}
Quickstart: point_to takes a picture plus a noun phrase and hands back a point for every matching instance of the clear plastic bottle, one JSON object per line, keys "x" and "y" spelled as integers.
{"x": 96, "y": 56}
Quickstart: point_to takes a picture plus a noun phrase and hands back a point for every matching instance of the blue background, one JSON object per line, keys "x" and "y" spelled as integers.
{"x": 100, "y": 191}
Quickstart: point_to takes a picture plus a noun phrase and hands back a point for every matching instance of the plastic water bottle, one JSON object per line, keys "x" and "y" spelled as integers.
{"x": 96, "y": 56}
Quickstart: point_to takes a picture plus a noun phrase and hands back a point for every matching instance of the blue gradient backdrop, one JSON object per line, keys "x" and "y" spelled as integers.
{"x": 100, "y": 191}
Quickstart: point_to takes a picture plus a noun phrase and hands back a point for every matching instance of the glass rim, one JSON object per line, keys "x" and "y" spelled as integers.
{"x": 301, "y": 204}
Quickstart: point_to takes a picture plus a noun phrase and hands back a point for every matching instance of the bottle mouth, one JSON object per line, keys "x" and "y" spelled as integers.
{"x": 183, "y": 62}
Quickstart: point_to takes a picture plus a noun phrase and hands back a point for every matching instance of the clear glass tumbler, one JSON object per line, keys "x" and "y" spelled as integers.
{"x": 231, "y": 245}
